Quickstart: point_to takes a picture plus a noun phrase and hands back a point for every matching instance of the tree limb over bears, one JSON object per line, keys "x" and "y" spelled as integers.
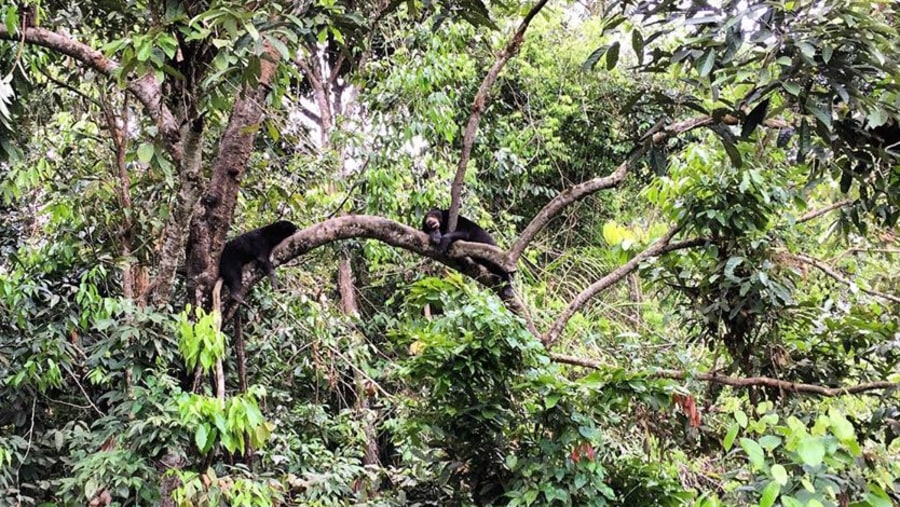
{"x": 389, "y": 232}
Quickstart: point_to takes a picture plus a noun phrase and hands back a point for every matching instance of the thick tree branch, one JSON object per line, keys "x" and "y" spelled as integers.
{"x": 479, "y": 105}
{"x": 146, "y": 88}
{"x": 783, "y": 385}
{"x": 458, "y": 257}
{"x": 821, "y": 266}
{"x": 659, "y": 247}
{"x": 819, "y": 212}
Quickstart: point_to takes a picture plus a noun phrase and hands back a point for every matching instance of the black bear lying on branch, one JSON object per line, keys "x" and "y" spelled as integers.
{"x": 256, "y": 245}
{"x": 435, "y": 226}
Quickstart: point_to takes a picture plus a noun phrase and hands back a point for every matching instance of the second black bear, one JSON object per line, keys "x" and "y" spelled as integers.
{"x": 255, "y": 245}
{"x": 435, "y": 226}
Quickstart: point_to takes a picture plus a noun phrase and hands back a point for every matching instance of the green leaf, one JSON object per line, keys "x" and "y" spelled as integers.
{"x": 230, "y": 442}
{"x": 770, "y": 442}
{"x": 144, "y": 50}
{"x": 727, "y": 139}
{"x": 254, "y": 33}
{"x": 807, "y": 49}
{"x": 730, "y": 266}
{"x": 706, "y": 63}
{"x": 637, "y": 45}
{"x": 791, "y": 87}
{"x": 877, "y": 497}
{"x": 90, "y": 488}
{"x": 769, "y": 495}
{"x": 841, "y": 427}
{"x": 145, "y": 152}
{"x": 551, "y": 400}
{"x": 201, "y": 436}
{"x": 822, "y": 115}
{"x": 612, "y": 56}
{"x": 779, "y": 474}
{"x": 754, "y": 118}
{"x": 594, "y": 57}
{"x": 280, "y": 47}
{"x": 754, "y": 453}
{"x": 730, "y": 436}
{"x": 12, "y": 19}
{"x": 811, "y": 451}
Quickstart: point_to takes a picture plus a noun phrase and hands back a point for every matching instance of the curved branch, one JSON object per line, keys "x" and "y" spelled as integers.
{"x": 657, "y": 134}
{"x": 479, "y": 105}
{"x": 659, "y": 247}
{"x": 821, "y": 266}
{"x": 565, "y": 198}
{"x": 458, "y": 257}
{"x": 783, "y": 385}
{"x": 385, "y": 230}
{"x": 146, "y": 88}
{"x": 816, "y": 213}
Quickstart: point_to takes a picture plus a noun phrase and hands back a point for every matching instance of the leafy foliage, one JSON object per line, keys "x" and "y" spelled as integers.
{"x": 739, "y": 125}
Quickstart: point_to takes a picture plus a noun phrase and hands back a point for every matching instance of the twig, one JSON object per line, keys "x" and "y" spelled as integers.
{"x": 88, "y": 398}
{"x": 819, "y": 212}
{"x": 30, "y": 439}
{"x": 783, "y": 385}
{"x": 821, "y": 266}
{"x": 71, "y": 88}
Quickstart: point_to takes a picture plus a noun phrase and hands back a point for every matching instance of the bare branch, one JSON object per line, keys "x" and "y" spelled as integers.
{"x": 876, "y": 250}
{"x": 819, "y": 212}
{"x": 821, "y": 266}
{"x": 783, "y": 385}
{"x": 657, "y": 134}
{"x": 479, "y": 105}
{"x": 659, "y": 247}
{"x": 146, "y": 88}
{"x": 563, "y": 199}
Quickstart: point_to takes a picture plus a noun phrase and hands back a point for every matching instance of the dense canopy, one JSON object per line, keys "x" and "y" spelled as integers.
{"x": 696, "y": 204}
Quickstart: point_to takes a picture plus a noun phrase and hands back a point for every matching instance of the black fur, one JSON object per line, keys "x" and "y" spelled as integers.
{"x": 466, "y": 230}
{"x": 256, "y": 245}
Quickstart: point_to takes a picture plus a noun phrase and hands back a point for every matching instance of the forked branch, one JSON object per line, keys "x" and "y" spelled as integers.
{"x": 656, "y": 135}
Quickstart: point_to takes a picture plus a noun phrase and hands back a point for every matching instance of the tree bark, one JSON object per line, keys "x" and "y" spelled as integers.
{"x": 212, "y": 214}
